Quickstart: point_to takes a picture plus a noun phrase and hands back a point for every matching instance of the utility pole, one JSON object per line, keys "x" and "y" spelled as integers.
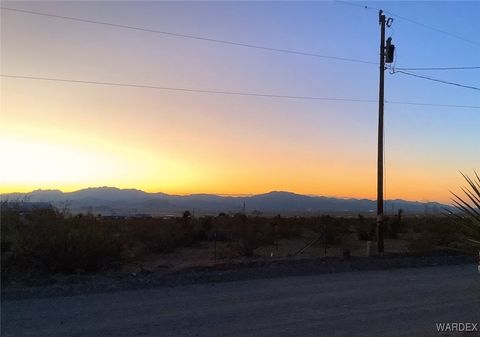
{"x": 386, "y": 54}
{"x": 380, "y": 243}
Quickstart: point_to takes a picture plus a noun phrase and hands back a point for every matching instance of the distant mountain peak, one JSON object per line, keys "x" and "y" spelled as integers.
{"x": 278, "y": 193}
{"x": 104, "y": 188}
{"x": 114, "y": 200}
{"x": 46, "y": 191}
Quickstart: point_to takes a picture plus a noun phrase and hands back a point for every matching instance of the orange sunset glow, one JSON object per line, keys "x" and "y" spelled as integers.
{"x": 68, "y": 136}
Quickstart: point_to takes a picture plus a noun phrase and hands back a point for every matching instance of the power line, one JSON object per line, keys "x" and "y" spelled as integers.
{"x": 455, "y": 36}
{"x": 441, "y": 31}
{"x": 434, "y": 79}
{"x": 189, "y": 89}
{"x": 439, "y": 68}
{"x": 433, "y": 104}
{"x": 222, "y": 92}
{"x": 353, "y": 4}
{"x": 194, "y": 37}
{"x": 231, "y": 42}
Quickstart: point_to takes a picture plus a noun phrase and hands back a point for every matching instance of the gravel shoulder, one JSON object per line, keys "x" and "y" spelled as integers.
{"x": 396, "y": 302}
{"x": 226, "y": 272}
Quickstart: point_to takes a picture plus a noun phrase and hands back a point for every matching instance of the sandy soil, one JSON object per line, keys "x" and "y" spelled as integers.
{"x": 204, "y": 253}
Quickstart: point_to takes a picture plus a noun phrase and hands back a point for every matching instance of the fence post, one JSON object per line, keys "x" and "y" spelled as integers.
{"x": 325, "y": 234}
{"x": 369, "y": 248}
{"x": 215, "y": 245}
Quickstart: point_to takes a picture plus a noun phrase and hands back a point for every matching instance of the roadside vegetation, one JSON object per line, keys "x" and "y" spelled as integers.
{"x": 468, "y": 207}
{"x": 46, "y": 242}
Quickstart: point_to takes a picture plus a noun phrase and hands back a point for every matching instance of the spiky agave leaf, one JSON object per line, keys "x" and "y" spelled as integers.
{"x": 468, "y": 207}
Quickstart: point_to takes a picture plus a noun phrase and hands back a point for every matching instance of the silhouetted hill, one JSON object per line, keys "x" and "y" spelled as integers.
{"x": 111, "y": 200}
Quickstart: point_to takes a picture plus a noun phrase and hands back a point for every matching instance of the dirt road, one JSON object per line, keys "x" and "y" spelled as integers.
{"x": 401, "y": 302}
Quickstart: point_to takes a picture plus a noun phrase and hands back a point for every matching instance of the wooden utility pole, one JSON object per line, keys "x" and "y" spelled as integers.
{"x": 380, "y": 243}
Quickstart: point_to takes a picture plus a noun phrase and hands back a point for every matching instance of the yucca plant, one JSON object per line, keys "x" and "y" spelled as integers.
{"x": 468, "y": 207}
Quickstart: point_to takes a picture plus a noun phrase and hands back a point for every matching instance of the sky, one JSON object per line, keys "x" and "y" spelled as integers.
{"x": 68, "y": 136}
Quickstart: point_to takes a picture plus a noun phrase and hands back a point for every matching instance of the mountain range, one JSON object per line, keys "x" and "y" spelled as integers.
{"x": 115, "y": 201}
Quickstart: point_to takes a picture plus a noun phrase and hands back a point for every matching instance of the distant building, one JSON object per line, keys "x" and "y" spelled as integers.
{"x": 126, "y": 216}
{"x": 114, "y": 217}
{"x": 141, "y": 216}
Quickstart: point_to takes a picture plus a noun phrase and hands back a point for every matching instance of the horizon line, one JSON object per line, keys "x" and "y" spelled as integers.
{"x": 233, "y": 195}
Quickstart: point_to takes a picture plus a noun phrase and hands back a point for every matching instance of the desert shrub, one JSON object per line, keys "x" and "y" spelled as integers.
{"x": 249, "y": 240}
{"x": 433, "y": 233}
{"x": 364, "y": 228}
{"x": 286, "y": 228}
{"x": 48, "y": 241}
{"x": 422, "y": 245}
{"x": 416, "y": 224}
{"x": 184, "y": 231}
{"x": 333, "y": 229}
{"x": 240, "y": 217}
{"x": 443, "y": 231}
{"x": 202, "y": 228}
{"x": 78, "y": 244}
{"x": 365, "y": 232}
{"x": 150, "y": 235}
{"x": 224, "y": 227}
{"x": 394, "y": 225}
{"x": 254, "y": 233}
